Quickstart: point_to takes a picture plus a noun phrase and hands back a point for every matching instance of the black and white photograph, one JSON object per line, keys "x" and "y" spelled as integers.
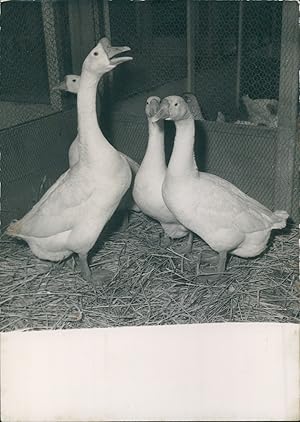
{"x": 149, "y": 210}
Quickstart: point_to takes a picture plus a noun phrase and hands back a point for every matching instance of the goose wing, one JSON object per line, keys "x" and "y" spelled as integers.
{"x": 57, "y": 211}
{"x": 246, "y": 213}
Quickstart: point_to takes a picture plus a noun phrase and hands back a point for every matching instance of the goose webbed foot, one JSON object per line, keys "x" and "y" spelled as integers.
{"x": 99, "y": 274}
{"x": 84, "y": 267}
{"x": 222, "y": 262}
{"x": 165, "y": 241}
{"x": 188, "y": 247}
{"x": 208, "y": 256}
{"x": 217, "y": 269}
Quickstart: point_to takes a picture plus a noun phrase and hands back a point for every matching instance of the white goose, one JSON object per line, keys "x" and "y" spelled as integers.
{"x": 227, "y": 219}
{"x": 72, "y": 213}
{"x": 71, "y": 84}
{"x": 148, "y": 181}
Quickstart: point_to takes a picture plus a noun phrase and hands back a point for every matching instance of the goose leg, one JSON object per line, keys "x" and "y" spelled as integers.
{"x": 165, "y": 241}
{"x": 100, "y": 273}
{"x": 189, "y": 246}
{"x": 222, "y": 262}
{"x": 209, "y": 257}
{"x": 219, "y": 269}
{"x": 84, "y": 267}
{"x": 125, "y": 222}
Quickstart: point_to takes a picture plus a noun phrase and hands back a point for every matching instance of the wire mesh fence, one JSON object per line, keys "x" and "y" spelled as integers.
{"x": 35, "y": 54}
{"x": 232, "y": 56}
{"x": 233, "y": 49}
{"x": 156, "y": 34}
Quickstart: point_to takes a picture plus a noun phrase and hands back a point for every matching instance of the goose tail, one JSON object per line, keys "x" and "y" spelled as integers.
{"x": 279, "y": 219}
{"x": 133, "y": 164}
{"x": 14, "y": 229}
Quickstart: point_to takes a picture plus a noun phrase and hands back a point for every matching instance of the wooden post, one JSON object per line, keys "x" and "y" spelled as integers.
{"x": 51, "y": 53}
{"x": 239, "y": 57}
{"x": 107, "y": 31}
{"x": 286, "y": 170}
{"x": 190, "y": 38}
{"x": 81, "y": 31}
{"x": 96, "y": 18}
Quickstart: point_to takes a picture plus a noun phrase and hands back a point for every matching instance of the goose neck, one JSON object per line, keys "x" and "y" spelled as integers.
{"x": 86, "y": 104}
{"x": 183, "y": 161}
{"x": 155, "y": 151}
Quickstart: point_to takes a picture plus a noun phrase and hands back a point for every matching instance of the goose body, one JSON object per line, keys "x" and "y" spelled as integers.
{"x": 71, "y": 84}
{"x": 72, "y": 213}
{"x": 147, "y": 189}
{"x": 227, "y": 219}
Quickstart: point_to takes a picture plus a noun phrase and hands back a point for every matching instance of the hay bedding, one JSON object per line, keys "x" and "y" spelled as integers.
{"x": 152, "y": 285}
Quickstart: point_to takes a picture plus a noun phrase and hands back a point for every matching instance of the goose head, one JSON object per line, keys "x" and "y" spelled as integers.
{"x": 101, "y": 58}
{"x": 69, "y": 84}
{"x": 178, "y": 108}
{"x": 152, "y": 106}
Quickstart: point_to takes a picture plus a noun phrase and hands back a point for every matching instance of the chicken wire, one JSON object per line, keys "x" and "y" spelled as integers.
{"x": 37, "y": 124}
{"x": 222, "y": 51}
{"x": 232, "y": 50}
{"x": 35, "y": 55}
{"x": 156, "y": 34}
{"x": 241, "y": 67}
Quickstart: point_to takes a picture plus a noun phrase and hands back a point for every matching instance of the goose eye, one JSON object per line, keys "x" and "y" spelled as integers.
{"x": 176, "y": 104}
{"x": 74, "y": 80}
{"x": 147, "y": 102}
{"x": 95, "y": 53}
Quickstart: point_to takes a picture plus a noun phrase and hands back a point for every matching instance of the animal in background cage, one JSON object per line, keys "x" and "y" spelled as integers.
{"x": 70, "y": 84}
{"x": 222, "y": 215}
{"x": 261, "y": 111}
{"x": 72, "y": 213}
{"x": 149, "y": 179}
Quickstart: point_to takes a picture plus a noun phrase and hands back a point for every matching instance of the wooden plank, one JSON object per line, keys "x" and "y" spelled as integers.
{"x": 244, "y": 156}
{"x": 29, "y": 153}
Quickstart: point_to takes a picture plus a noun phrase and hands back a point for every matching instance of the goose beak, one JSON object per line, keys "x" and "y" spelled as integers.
{"x": 60, "y": 87}
{"x": 162, "y": 113}
{"x": 118, "y": 60}
{"x": 113, "y": 51}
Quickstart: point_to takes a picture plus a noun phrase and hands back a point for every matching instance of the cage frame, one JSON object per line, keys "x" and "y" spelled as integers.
{"x": 89, "y": 15}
